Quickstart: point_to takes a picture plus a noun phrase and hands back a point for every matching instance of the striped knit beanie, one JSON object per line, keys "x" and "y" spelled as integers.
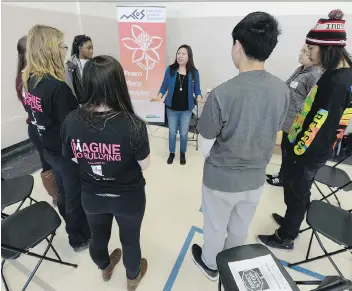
{"x": 329, "y": 32}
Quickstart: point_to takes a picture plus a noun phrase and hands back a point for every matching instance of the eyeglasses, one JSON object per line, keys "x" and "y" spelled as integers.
{"x": 64, "y": 47}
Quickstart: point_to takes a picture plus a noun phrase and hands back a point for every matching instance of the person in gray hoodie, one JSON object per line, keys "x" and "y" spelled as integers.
{"x": 300, "y": 83}
{"x": 82, "y": 51}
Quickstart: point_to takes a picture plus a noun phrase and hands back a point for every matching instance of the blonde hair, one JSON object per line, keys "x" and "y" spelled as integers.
{"x": 43, "y": 54}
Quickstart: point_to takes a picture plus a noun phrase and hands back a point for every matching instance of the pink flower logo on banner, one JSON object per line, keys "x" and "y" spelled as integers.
{"x": 145, "y": 48}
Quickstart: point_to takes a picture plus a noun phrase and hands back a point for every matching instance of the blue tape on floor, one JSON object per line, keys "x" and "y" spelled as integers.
{"x": 171, "y": 280}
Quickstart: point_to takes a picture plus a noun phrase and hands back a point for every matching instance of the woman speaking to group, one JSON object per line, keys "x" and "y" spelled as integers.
{"x": 181, "y": 82}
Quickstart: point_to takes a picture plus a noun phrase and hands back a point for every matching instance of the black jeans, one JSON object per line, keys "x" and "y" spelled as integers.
{"x": 128, "y": 210}
{"x": 284, "y": 143}
{"x": 297, "y": 179}
{"x": 36, "y": 141}
{"x": 69, "y": 198}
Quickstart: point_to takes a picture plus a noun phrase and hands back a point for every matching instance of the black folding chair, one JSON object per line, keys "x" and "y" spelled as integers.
{"x": 16, "y": 190}
{"x": 333, "y": 177}
{"x": 223, "y": 259}
{"x": 226, "y": 279}
{"x": 347, "y": 187}
{"x": 193, "y": 126}
{"x": 332, "y": 222}
{"x": 24, "y": 230}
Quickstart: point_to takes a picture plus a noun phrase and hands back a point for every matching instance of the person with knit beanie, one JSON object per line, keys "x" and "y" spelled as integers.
{"x": 313, "y": 133}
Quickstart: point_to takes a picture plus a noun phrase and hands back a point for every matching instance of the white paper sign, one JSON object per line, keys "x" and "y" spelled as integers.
{"x": 258, "y": 274}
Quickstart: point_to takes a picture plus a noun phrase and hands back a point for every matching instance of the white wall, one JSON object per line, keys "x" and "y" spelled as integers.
{"x": 206, "y": 26}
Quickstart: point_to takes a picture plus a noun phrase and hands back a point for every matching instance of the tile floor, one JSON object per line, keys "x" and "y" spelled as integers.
{"x": 173, "y": 204}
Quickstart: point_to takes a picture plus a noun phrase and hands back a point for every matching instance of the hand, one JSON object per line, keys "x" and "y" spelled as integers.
{"x": 155, "y": 99}
{"x": 199, "y": 99}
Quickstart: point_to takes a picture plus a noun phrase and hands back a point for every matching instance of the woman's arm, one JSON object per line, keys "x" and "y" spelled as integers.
{"x": 206, "y": 145}
{"x": 164, "y": 87}
{"x": 197, "y": 90}
{"x": 165, "y": 83}
{"x": 144, "y": 164}
{"x": 64, "y": 101}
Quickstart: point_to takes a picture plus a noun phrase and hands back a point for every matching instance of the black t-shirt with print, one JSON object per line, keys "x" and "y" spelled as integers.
{"x": 107, "y": 149}
{"x": 48, "y": 103}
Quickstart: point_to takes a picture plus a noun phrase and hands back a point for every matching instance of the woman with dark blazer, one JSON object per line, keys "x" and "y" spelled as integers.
{"x": 181, "y": 82}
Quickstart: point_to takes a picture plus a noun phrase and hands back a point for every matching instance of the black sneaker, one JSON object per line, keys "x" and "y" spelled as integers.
{"x": 170, "y": 160}
{"x": 82, "y": 247}
{"x": 275, "y": 181}
{"x": 278, "y": 219}
{"x": 274, "y": 241}
{"x": 183, "y": 159}
{"x": 212, "y": 275}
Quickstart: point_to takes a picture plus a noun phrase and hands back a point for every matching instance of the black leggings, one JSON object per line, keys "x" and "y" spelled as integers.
{"x": 128, "y": 210}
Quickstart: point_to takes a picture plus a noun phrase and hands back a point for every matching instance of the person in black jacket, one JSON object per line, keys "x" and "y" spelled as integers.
{"x": 81, "y": 53}
{"x": 313, "y": 133}
{"x": 48, "y": 100}
{"x": 111, "y": 145}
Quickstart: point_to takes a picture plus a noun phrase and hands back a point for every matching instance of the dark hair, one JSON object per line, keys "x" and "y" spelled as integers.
{"x": 78, "y": 41}
{"x": 331, "y": 56}
{"x": 21, "y": 50}
{"x": 104, "y": 83}
{"x": 190, "y": 67}
{"x": 258, "y": 34}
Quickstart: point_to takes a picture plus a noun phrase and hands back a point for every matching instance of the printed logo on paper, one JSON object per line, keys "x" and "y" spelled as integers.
{"x": 253, "y": 280}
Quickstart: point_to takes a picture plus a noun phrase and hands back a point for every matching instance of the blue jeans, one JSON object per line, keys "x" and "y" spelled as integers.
{"x": 178, "y": 120}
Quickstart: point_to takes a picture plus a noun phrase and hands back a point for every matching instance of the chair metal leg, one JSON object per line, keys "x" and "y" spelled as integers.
{"x": 37, "y": 266}
{"x": 2, "y": 275}
{"x": 41, "y": 257}
{"x": 4, "y": 215}
{"x": 52, "y": 247}
{"x": 329, "y": 257}
{"x": 19, "y": 207}
{"x": 219, "y": 285}
{"x": 337, "y": 199}
{"x": 304, "y": 229}
{"x": 322, "y": 194}
{"x": 197, "y": 140}
{"x": 10, "y": 248}
{"x": 310, "y": 245}
{"x": 308, "y": 282}
{"x": 322, "y": 256}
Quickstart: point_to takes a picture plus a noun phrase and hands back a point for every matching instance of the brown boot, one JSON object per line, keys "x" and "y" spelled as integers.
{"x": 48, "y": 179}
{"x": 133, "y": 284}
{"x": 115, "y": 258}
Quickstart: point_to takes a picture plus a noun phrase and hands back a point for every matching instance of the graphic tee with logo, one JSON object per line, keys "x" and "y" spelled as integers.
{"x": 48, "y": 103}
{"x": 107, "y": 149}
{"x": 313, "y": 132}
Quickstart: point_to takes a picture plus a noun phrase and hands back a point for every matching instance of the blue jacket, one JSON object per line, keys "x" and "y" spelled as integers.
{"x": 169, "y": 86}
